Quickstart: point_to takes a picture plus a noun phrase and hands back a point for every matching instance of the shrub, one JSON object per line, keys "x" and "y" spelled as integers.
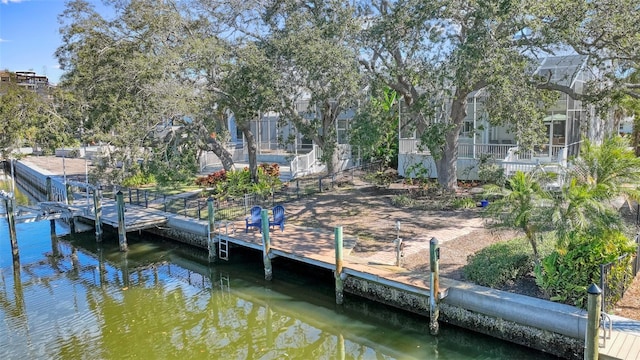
{"x": 212, "y": 179}
{"x": 499, "y": 263}
{"x": 566, "y": 273}
{"x": 272, "y": 170}
{"x": 139, "y": 179}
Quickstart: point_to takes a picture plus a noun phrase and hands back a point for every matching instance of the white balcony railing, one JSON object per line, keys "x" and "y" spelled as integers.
{"x": 542, "y": 154}
{"x": 304, "y": 163}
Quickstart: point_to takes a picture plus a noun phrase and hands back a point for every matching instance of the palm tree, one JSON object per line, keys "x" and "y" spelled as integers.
{"x": 522, "y": 206}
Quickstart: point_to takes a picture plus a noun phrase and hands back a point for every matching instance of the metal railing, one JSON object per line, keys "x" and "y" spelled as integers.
{"x": 614, "y": 281}
{"x": 194, "y": 205}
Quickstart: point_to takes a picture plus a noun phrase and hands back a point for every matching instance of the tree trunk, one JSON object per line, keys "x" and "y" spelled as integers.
{"x": 222, "y": 153}
{"x": 447, "y": 165}
{"x": 252, "y": 149}
{"x": 212, "y": 144}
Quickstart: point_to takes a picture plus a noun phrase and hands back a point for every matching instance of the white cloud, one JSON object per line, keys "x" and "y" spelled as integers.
{"x": 11, "y": 1}
{"x": 3, "y": 40}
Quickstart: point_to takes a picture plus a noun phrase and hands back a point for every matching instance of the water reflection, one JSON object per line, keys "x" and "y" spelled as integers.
{"x": 74, "y": 298}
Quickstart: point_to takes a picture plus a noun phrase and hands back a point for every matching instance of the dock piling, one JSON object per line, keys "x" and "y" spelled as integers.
{"x": 8, "y": 206}
{"x": 97, "y": 208}
{"x": 49, "y": 191}
{"x": 213, "y": 256}
{"x": 434, "y": 288}
{"x": 591, "y": 351}
{"x": 266, "y": 245}
{"x": 69, "y": 199}
{"x": 122, "y": 231}
{"x": 338, "y": 272}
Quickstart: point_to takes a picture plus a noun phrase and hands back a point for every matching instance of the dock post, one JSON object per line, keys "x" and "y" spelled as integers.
{"x": 72, "y": 224}
{"x": 122, "y": 231}
{"x": 69, "y": 199}
{"x": 266, "y": 245}
{"x": 49, "y": 191}
{"x": 8, "y": 205}
{"x": 338, "y": 273}
{"x": 213, "y": 256}
{"x": 593, "y": 323}
{"x": 97, "y": 210}
{"x": 55, "y": 249}
{"x": 434, "y": 288}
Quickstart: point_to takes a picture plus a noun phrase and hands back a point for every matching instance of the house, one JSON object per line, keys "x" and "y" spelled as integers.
{"x": 280, "y": 142}
{"x": 566, "y": 122}
{"x": 28, "y": 80}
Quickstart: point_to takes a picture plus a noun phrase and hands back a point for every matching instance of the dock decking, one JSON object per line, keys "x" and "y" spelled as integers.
{"x": 135, "y": 217}
{"x": 317, "y": 248}
{"x": 621, "y": 346}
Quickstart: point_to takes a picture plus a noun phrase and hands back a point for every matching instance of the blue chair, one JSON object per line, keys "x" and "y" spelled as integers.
{"x": 255, "y": 219}
{"x": 278, "y": 217}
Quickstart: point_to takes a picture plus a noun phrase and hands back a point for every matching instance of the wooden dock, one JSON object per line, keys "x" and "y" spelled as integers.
{"x": 135, "y": 217}
{"x": 317, "y": 247}
{"x": 621, "y": 346}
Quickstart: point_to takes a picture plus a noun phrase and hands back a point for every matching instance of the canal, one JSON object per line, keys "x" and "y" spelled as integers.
{"x": 69, "y": 297}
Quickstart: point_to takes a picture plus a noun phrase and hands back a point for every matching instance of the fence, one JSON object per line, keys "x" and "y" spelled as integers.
{"x": 194, "y": 205}
{"x": 616, "y": 276}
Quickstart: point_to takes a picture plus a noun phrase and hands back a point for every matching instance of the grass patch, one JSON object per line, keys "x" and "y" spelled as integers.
{"x": 402, "y": 200}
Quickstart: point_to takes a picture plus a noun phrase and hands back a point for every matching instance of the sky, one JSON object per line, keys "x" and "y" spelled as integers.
{"x": 29, "y": 36}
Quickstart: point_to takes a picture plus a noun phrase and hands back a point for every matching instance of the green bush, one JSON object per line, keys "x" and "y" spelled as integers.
{"x": 138, "y": 179}
{"x": 499, "y": 263}
{"x": 463, "y": 203}
{"x": 566, "y": 273}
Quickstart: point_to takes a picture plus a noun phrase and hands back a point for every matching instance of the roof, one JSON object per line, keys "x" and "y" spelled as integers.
{"x": 561, "y": 70}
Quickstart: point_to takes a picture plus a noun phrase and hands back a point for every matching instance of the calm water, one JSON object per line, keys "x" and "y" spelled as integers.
{"x": 71, "y": 299}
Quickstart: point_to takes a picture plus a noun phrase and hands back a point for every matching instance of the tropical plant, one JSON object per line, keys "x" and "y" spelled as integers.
{"x": 375, "y": 128}
{"x": 566, "y": 273}
{"x": 521, "y": 205}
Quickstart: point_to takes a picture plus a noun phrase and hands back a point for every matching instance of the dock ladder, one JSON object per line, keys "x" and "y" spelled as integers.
{"x": 223, "y": 241}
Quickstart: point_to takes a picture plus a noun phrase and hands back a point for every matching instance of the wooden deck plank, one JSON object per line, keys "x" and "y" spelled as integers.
{"x": 631, "y": 347}
{"x": 613, "y": 344}
{"x": 622, "y": 350}
{"x": 621, "y": 346}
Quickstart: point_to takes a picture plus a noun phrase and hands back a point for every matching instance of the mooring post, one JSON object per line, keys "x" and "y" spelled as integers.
{"x": 69, "y": 199}
{"x": 338, "y": 273}
{"x": 49, "y": 191}
{"x": 593, "y": 323}
{"x": 97, "y": 210}
{"x": 266, "y": 245}
{"x": 55, "y": 249}
{"x": 213, "y": 256}
{"x": 434, "y": 288}
{"x": 122, "y": 231}
{"x": 72, "y": 224}
{"x": 8, "y": 206}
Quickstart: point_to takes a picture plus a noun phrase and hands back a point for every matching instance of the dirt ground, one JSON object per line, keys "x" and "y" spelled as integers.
{"x": 367, "y": 212}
